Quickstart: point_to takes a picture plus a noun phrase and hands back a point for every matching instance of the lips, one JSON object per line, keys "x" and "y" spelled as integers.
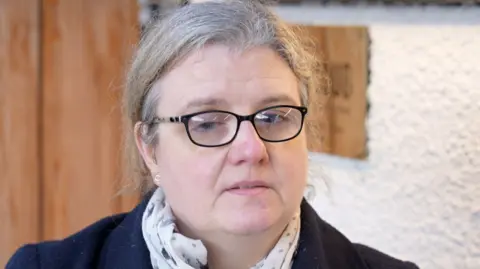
{"x": 248, "y": 185}
{"x": 248, "y": 189}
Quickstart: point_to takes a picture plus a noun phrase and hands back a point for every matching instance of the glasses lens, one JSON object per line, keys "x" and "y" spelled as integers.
{"x": 278, "y": 124}
{"x": 212, "y": 128}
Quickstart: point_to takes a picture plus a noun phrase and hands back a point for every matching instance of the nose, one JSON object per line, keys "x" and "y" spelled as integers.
{"x": 247, "y": 147}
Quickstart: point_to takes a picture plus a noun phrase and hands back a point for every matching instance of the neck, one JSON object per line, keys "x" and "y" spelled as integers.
{"x": 237, "y": 251}
{"x": 240, "y": 252}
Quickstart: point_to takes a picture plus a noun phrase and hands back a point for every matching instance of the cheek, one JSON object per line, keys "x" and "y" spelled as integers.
{"x": 189, "y": 173}
{"x": 291, "y": 165}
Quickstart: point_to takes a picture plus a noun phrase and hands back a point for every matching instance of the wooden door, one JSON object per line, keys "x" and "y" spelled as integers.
{"x": 62, "y": 65}
{"x": 339, "y": 126}
{"x": 20, "y": 162}
{"x": 86, "y": 47}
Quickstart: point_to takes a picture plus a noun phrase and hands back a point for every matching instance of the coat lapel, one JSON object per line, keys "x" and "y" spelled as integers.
{"x": 126, "y": 248}
{"x": 323, "y": 247}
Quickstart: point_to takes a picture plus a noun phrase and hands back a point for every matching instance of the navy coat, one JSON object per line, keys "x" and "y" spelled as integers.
{"x": 116, "y": 242}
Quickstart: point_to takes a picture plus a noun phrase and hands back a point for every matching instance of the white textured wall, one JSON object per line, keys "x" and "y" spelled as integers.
{"x": 417, "y": 196}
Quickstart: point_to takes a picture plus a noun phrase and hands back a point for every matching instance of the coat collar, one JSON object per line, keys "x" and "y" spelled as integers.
{"x": 321, "y": 246}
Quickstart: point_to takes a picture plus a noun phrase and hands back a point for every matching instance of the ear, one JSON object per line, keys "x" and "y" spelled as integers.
{"x": 146, "y": 151}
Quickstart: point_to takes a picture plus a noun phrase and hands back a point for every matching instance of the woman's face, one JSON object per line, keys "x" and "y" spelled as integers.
{"x": 197, "y": 180}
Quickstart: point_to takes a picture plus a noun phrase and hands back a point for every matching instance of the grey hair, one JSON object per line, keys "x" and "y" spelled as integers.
{"x": 238, "y": 24}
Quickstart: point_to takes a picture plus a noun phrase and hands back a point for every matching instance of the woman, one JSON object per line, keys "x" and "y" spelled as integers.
{"x": 216, "y": 99}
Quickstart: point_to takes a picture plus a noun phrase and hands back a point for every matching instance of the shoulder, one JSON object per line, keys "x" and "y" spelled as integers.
{"x": 71, "y": 252}
{"x": 375, "y": 259}
{"x": 25, "y": 257}
{"x": 322, "y": 245}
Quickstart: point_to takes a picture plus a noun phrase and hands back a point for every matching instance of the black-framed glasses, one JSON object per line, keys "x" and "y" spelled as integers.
{"x": 215, "y": 128}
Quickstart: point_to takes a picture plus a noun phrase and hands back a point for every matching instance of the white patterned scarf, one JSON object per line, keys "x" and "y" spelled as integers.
{"x": 171, "y": 250}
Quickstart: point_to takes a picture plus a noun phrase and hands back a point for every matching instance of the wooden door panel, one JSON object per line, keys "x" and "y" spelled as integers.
{"x": 337, "y": 122}
{"x": 19, "y": 118}
{"x": 87, "y": 45}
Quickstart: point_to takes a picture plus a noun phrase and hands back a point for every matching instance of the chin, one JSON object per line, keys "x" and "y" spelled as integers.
{"x": 250, "y": 224}
{"x": 251, "y": 219}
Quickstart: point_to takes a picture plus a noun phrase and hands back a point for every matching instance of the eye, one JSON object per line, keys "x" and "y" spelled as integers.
{"x": 208, "y": 122}
{"x": 271, "y": 117}
{"x": 206, "y": 126}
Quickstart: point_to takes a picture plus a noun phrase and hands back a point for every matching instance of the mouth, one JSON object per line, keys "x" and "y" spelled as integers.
{"x": 248, "y": 188}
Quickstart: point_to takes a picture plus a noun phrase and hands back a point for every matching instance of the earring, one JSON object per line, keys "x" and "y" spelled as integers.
{"x": 156, "y": 179}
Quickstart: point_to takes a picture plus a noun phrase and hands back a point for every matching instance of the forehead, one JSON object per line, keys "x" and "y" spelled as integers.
{"x": 225, "y": 78}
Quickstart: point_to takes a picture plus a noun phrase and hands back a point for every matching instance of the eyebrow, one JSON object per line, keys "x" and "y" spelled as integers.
{"x": 281, "y": 98}
{"x": 202, "y": 102}
{"x": 220, "y": 102}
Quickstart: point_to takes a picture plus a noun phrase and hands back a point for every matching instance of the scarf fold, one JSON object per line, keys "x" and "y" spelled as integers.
{"x": 171, "y": 250}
